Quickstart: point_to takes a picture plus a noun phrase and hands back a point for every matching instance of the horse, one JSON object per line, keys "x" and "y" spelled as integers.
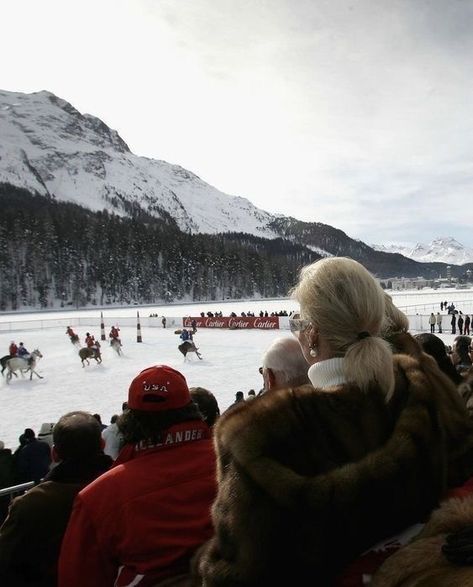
{"x": 74, "y": 339}
{"x": 3, "y": 362}
{"x": 24, "y": 365}
{"x": 87, "y": 353}
{"x": 116, "y": 345}
{"x": 189, "y": 347}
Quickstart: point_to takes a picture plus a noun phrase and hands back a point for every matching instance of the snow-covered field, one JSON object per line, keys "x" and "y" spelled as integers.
{"x": 230, "y": 359}
{"x": 230, "y": 363}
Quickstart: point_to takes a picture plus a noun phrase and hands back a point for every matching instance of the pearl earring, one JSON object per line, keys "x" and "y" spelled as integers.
{"x": 313, "y": 351}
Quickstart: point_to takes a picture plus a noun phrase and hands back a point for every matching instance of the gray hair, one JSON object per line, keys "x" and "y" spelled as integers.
{"x": 285, "y": 359}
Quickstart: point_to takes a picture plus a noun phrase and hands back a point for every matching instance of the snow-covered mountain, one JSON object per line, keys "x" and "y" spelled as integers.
{"x": 49, "y": 147}
{"x": 440, "y": 250}
{"x": 401, "y": 248}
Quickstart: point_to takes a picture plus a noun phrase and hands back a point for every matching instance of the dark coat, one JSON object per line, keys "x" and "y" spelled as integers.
{"x": 32, "y": 461}
{"x": 318, "y": 477}
{"x": 7, "y": 479}
{"x": 31, "y": 536}
{"x": 7, "y": 472}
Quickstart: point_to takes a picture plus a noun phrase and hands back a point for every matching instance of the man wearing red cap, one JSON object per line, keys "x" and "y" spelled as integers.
{"x": 141, "y": 522}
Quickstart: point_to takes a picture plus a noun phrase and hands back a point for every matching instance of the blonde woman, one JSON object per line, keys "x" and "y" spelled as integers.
{"x": 342, "y": 311}
{"x": 310, "y": 477}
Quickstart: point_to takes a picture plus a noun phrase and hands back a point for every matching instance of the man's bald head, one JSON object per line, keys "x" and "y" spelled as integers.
{"x": 284, "y": 365}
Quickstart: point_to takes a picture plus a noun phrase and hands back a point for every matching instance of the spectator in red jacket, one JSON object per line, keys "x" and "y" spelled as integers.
{"x": 140, "y": 523}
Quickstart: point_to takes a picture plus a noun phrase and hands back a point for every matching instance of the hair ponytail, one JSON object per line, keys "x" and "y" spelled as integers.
{"x": 370, "y": 360}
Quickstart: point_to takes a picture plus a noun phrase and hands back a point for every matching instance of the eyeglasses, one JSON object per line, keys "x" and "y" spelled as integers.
{"x": 297, "y": 324}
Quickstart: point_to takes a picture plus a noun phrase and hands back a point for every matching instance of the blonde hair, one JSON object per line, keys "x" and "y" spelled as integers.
{"x": 343, "y": 301}
{"x": 394, "y": 320}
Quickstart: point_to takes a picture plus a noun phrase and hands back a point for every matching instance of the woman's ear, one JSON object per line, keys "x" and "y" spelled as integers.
{"x": 312, "y": 336}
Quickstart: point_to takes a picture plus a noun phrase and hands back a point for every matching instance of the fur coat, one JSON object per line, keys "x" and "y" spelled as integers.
{"x": 456, "y": 420}
{"x": 308, "y": 480}
{"x": 422, "y": 563}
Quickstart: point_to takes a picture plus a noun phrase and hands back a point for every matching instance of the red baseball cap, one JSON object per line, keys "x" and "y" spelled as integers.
{"x": 157, "y": 389}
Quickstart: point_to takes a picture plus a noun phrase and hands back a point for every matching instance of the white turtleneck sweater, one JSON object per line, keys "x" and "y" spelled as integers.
{"x": 327, "y": 373}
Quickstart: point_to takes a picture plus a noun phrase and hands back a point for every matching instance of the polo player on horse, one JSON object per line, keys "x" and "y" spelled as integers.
{"x": 115, "y": 335}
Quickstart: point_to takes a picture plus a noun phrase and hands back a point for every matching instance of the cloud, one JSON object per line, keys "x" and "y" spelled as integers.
{"x": 356, "y": 114}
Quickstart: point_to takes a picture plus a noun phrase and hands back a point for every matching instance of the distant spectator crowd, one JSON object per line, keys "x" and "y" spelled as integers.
{"x": 457, "y": 320}
{"x": 261, "y": 314}
{"x": 351, "y": 465}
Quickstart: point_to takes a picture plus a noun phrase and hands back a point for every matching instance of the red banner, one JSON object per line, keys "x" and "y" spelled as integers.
{"x": 269, "y": 323}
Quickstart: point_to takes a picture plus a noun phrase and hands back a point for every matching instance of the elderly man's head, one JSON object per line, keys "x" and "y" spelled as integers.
{"x": 284, "y": 365}
{"x": 77, "y": 436}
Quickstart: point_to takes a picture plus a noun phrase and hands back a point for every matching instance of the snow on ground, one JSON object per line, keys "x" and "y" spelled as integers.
{"x": 410, "y": 301}
{"x": 230, "y": 360}
{"x": 230, "y": 363}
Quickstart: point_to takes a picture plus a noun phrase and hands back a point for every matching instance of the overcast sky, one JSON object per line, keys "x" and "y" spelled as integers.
{"x": 358, "y": 114}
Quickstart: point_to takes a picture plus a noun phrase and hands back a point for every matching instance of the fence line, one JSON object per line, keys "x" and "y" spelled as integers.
{"x": 466, "y": 306}
{"x": 89, "y": 321}
{"x": 14, "y": 489}
{"x": 417, "y": 323}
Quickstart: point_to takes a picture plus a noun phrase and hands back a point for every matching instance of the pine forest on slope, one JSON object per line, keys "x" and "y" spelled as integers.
{"x": 52, "y": 251}
{"x": 85, "y": 221}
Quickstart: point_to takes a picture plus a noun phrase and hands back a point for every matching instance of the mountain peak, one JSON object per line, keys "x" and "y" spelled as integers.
{"x": 444, "y": 249}
{"x": 49, "y": 147}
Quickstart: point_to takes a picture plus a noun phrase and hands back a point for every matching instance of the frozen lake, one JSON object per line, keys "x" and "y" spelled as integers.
{"x": 230, "y": 357}
{"x": 411, "y": 301}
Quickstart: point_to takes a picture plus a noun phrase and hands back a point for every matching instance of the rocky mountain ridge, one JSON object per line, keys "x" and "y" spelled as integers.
{"x": 49, "y": 149}
{"x": 441, "y": 249}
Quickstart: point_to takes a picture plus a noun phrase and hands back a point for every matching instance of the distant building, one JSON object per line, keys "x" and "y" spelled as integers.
{"x": 399, "y": 283}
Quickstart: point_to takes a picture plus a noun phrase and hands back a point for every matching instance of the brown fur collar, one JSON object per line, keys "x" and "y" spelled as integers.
{"x": 276, "y": 416}
{"x": 308, "y": 479}
{"x": 421, "y": 563}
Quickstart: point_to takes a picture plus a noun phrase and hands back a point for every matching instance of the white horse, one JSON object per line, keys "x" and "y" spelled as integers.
{"x": 116, "y": 345}
{"x": 24, "y": 365}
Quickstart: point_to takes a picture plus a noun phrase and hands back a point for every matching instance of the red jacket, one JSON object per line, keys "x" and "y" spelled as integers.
{"x": 114, "y": 333}
{"x": 90, "y": 341}
{"x": 13, "y": 349}
{"x": 141, "y": 522}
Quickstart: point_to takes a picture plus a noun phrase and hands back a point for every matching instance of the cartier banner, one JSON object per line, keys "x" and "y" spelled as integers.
{"x": 270, "y": 323}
